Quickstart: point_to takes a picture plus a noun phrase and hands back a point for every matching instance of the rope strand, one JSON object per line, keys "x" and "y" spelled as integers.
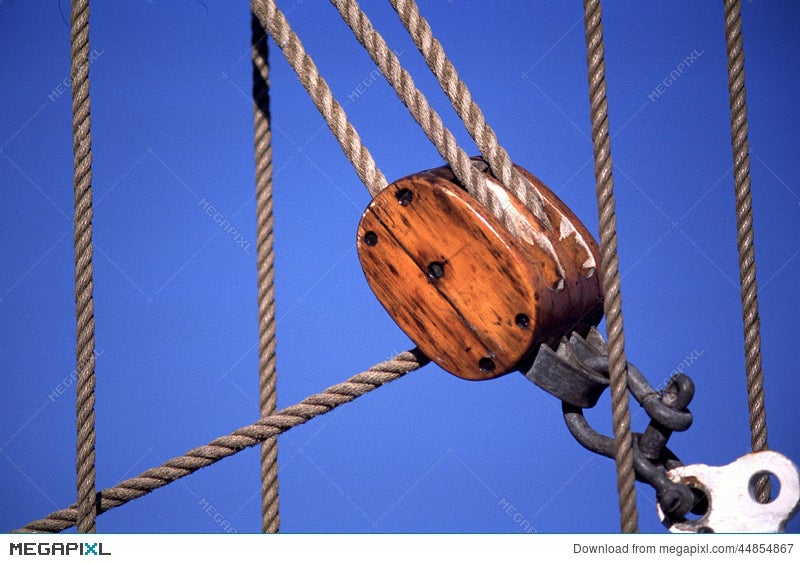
{"x": 292, "y": 48}
{"x": 745, "y": 238}
{"x": 270, "y": 514}
{"x": 421, "y": 110}
{"x": 278, "y": 27}
{"x": 618, "y": 365}
{"x": 245, "y": 437}
{"x": 460, "y": 97}
{"x": 84, "y": 276}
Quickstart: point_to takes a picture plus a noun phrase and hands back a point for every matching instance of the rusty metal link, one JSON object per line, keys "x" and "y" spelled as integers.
{"x": 576, "y": 372}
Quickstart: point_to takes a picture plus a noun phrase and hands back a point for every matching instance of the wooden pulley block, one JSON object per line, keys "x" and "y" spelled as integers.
{"x": 474, "y": 298}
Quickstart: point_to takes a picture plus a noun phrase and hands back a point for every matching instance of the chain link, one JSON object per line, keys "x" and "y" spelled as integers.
{"x": 577, "y": 373}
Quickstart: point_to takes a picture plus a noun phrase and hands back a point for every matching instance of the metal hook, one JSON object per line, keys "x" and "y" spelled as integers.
{"x": 675, "y": 499}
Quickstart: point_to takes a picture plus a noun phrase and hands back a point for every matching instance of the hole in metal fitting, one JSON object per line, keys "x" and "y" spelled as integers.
{"x": 701, "y": 501}
{"x": 522, "y": 321}
{"x": 486, "y": 365}
{"x": 435, "y": 270}
{"x": 370, "y": 238}
{"x": 405, "y": 197}
{"x": 774, "y": 485}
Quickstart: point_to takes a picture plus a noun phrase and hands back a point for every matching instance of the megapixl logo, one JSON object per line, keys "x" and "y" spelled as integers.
{"x": 57, "y": 548}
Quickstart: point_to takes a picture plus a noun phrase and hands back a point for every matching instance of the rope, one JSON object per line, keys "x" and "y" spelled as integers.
{"x": 275, "y": 22}
{"x": 423, "y": 113}
{"x": 621, "y": 417}
{"x": 744, "y": 238}
{"x": 469, "y": 112}
{"x": 270, "y": 514}
{"x": 84, "y": 282}
{"x": 245, "y": 437}
{"x": 278, "y": 27}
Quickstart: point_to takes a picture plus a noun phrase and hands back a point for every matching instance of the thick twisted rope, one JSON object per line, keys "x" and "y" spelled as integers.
{"x": 275, "y": 23}
{"x": 84, "y": 283}
{"x": 245, "y": 437}
{"x": 618, "y": 367}
{"x": 421, "y": 110}
{"x": 744, "y": 239}
{"x": 278, "y": 27}
{"x": 460, "y": 97}
{"x": 265, "y": 261}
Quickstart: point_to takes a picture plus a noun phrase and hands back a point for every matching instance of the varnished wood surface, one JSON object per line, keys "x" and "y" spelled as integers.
{"x": 475, "y": 299}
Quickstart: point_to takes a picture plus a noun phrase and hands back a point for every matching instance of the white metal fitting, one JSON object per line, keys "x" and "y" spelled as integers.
{"x": 732, "y": 506}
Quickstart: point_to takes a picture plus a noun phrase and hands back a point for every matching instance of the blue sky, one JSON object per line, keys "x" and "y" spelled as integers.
{"x": 175, "y": 293}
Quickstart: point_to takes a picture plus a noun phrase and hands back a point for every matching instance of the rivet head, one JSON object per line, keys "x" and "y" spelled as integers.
{"x": 370, "y": 238}
{"x": 486, "y": 365}
{"x": 405, "y": 197}
{"x": 435, "y": 270}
